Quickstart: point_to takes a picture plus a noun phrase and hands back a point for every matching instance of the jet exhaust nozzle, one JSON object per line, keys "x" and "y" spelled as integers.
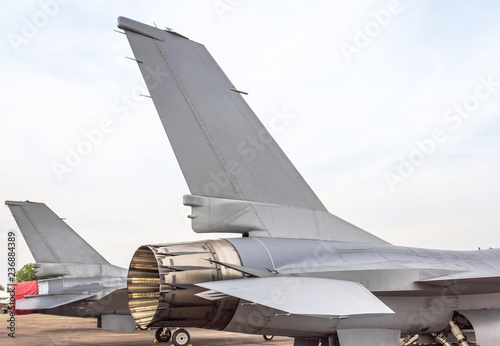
{"x": 161, "y": 284}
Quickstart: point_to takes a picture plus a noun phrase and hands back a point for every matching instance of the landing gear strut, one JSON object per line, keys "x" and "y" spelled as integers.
{"x": 163, "y": 334}
{"x": 455, "y": 327}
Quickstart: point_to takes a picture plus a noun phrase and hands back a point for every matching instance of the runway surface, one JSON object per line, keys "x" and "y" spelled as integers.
{"x": 39, "y": 329}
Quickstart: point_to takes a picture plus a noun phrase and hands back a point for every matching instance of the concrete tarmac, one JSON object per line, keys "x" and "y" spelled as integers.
{"x": 36, "y": 329}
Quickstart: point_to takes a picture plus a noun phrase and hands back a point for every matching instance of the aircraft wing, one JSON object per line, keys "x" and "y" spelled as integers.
{"x": 48, "y": 301}
{"x": 302, "y": 296}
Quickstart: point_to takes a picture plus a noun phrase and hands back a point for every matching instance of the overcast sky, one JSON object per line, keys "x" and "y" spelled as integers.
{"x": 395, "y": 109}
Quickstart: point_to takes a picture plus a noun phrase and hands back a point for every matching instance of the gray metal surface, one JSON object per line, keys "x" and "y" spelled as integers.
{"x": 223, "y": 149}
{"x": 241, "y": 182}
{"x": 210, "y": 126}
{"x": 118, "y": 323}
{"x": 358, "y": 337}
{"x": 305, "y": 271}
{"x": 253, "y": 253}
{"x": 270, "y": 220}
{"x": 42, "y": 302}
{"x": 97, "y": 285}
{"x": 49, "y": 238}
{"x": 115, "y": 302}
{"x": 86, "y": 281}
{"x": 161, "y": 284}
{"x": 308, "y": 296}
{"x": 379, "y": 268}
{"x": 486, "y": 326}
{"x": 392, "y": 273}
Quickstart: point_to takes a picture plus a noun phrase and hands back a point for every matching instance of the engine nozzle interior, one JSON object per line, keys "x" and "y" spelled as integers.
{"x": 161, "y": 284}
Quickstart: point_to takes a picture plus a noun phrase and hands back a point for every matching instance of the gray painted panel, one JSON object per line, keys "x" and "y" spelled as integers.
{"x": 357, "y": 337}
{"x": 223, "y": 149}
{"x": 304, "y": 295}
{"x": 49, "y": 238}
{"x": 212, "y": 128}
{"x": 118, "y": 323}
{"x": 49, "y": 301}
{"x": 486, "y": 324}
{"x": 223, "y": 215}
{"x": 252, "y": 253}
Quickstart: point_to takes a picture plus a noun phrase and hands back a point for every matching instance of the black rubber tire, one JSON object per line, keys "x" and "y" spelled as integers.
{"x": 268, "y": 337}
{"x": 181, "y": 337}
{"x": 163, "y": 338}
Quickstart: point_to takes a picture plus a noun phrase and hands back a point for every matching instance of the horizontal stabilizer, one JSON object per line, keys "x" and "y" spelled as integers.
{"x": 115, "y": 301}
{"x": 302, "y": 296}
{"x": 49, "y": 301}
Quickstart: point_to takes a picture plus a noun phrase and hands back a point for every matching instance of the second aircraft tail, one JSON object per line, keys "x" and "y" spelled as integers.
{"x": 53, "y": 244}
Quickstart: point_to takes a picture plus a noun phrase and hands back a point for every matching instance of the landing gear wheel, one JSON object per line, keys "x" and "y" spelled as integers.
{"x": 268, "y": 337}
{"x": 163, "y": 334}
{"x": 181, "y": 337}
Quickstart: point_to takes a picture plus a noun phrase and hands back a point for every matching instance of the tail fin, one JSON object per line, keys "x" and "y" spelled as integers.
{"x": 241, "y": 180}
{"x": 223, "y": 149}
{"x": 49, "y": 238}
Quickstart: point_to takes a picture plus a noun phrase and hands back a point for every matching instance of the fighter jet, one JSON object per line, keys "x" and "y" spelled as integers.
{"x": 296, "y": 270}
{"x": 85, "y": 283}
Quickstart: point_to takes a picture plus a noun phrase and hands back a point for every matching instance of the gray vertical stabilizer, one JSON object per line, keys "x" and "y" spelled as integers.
{"x": 49, "y": 238}
{"x": 223, "y": 149}
{"x": 240, "y": 179}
